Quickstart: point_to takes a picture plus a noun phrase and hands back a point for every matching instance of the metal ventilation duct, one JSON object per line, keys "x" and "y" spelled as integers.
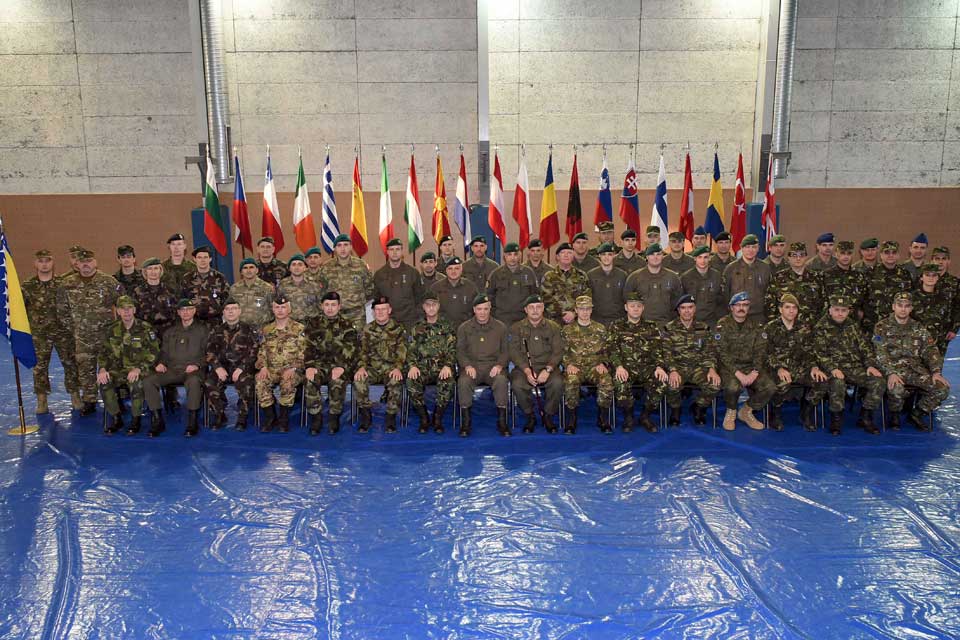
{"x": 215, "y": 81}
{"x": 786, "y": 47}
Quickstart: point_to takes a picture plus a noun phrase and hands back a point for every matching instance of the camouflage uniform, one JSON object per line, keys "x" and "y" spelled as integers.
{"x": 304, "y": 298}
{"x": 383, "y": 348}
{"x": 544, "y": 343}
{"x": 479, "y": 272}
{"x": 707, "y": 290}
{"x": 508, "y": 289}
{"x": 844, "y": 347}
{"x": 908, "y": 350}
{"x": 354, "y": 282}
{"x": 913, "y": 269}
{"x": 316, "y": 276}
{"x": 690, "y": 353}
{"x": 403, "y": 286}
{"x": 272, "y": 272}
{"x": 807, "y": 287}
{"x": 173, "y": 274}
{"x": 638, "y": 348}
{"x": 753, "y": 278}
{"x": 208, "y": 292}
{"x": 560, "y": 289}
{"x": 281, "y": 348}
{"x": 883, "y": 284}
{"x": 232, "y": 347}
{"x": 660, "y": 293}
{"x": 847, "y": 283}
{"x": 631, "y": 264}
{"x": 256, "y": 301}
{"x": 157, "y": 305}
{"x": 790, "y": 349}
{"x": 935, "y": 312}
{"x": 865, "y": 267}
{"x": 331, "y": 343}
{"x": 742, "y": 346}
{"x": 606, "y": 290}
{"x": 456, "y": 299}
{"x": 129, "y": 281}
{"x": 541, "y": 270}
{"x": 122, "y": 351}
{"x": 49, "y": 332}
{"x": 585, "y": 349}
{"x": 432, "y": 347}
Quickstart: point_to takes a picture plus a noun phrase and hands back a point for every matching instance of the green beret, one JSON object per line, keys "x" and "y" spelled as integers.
{"x": 247, "y": 261}
{"x": 125, "y": 302}
{"x": 903, "y": 296}
{"x": 845, "y": 246}
{"x": 941, "y": 250}
{"x": 870, "y": 243}
{"x": 930, "y": 267}
{"x": 653, "y": 248}
{"x": 633, "y": 296}
{"x": 341, "y": 238}
{"x": 125, "y": 249}
{"x": 512, "y": 247}
{"x": 699, "y": 251}
{"x": 151, "y": 262}
{"x": 394, "y": 242}
{"x": 606, "y": 225}
{"x": 429, "y": 255}
{"x": 653, "y": 229}
{"x": 749, "y": 239}
{"x": 429, "y": 295}
{"x": 789, "y": 298}
{"x": 297, "y": 257}
{"x": 777, "y": 239}
{"x": 534, "y": 299}
{"x": 477, "y": 239}
{"x": 313, "y": 251}
{"x": 606, "y": 247}
{"x": 723, "y": 235}
{"x": 481, "y": 298}
{"x": 580, "y": 236}
{"x": 583, "y": 302}
{"x": 564, "y": 246}
{"x": 185, "y": 303}
{"x": 534, "y": 243}
{"x": 453, "y": 260}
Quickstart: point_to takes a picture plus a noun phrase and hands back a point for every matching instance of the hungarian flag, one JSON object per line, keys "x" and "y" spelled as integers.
{"x": 686, "y": 203}
{"x": 358, "y": 215}
{"x": 495, "y": 213}
{"x": 603, "y": 212}
{"x": 574, "y": 215}
{"x": 714, "y": 222}
{"x": 270, "y": 225}
{"x": 302, "y": 219}
{"x": 658, "y": 216}
{"x": 461, "y": 208}
{"x": 549, "y": 219}
{"x": 386, "y": 208}
{"x": 521, "y": 204}
{"x": 411, "y": 211}
{"x": 738, "y": 221}
{"x": 630, "y": 200}
{"x": 212, "y": 223}
{"x": 768, "y": 218}
{"x": 241, "y": 218}
{"x": 441, "y": 221}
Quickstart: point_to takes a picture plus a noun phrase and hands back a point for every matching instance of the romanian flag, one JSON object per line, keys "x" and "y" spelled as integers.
{"x": 358, "y": 215}
{"x": 16, "y": 326}
{"x": 549, "y": 219}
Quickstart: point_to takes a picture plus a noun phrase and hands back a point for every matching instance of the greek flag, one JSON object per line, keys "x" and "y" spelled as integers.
{"x": 330, "y": 225}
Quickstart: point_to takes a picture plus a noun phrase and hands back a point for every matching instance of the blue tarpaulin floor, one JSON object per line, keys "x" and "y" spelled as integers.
{"x": 689, "y": 533}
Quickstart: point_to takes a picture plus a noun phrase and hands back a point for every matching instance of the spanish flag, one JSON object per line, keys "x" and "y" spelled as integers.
{"x": 15, "y": 323}
{"x": 358, "y": 215}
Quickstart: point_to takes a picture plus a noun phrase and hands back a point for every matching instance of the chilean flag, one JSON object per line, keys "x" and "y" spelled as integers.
{"x": 630, "y": 200}
{"x": 495, "y": 213}
{"x": 271, "y": 212}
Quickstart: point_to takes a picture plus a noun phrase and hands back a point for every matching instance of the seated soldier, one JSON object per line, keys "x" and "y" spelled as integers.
{"x": 383, "y": 351}
{"x": 232, "y": 357}
{"x": 332, "y": 345}
{"x": 536, "y": 349}
{"x": 584, "y": 359}
{"x": 431, "y": 359}
{"x": 482, "y": 355}
{"x": 741, "y": 348}
{"x": 279, "y": 362}
{"x": 690, "y": 359}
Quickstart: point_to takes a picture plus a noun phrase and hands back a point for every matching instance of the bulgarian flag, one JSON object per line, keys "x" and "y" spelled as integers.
{"x": 302, "y": 220}
{"x": 358, "y": 215}
{"x": 212, "y": 223}
{"x": 386, "y": 209}
{"x": 411, "y": 211}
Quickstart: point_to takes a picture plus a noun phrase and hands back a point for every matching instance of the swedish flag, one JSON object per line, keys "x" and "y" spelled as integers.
{"x": 16, "y": 326}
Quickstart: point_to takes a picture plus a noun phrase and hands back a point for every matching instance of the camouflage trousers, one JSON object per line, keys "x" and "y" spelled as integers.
{"x": 217, "y": 391}
{"x": 118, "y": 381}
{"x": 760, "y": 391}
{"x": 929, "y": 394}
{"x": 336, "y": 389}
{"x": 572, "y": 382}
{"x": 393, "y": 389}
{"x": 430, "y": 376}
{"x": 623, "y": 391}
{"x": 811, "y": 391}
{"x": 696, "y": 377}
{"x": 288, "y": 388}
{"x": 872, "y": 387}
{"x": 87, "y": 350}
{"x": 44, "y": 345}
{"x": 552, "y": 391}
{"x": 193, "y": 382}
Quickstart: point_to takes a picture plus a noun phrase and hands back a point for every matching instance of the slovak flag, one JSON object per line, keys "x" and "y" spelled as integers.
{"x": 658, "y": 216}
{"x": 768, "y": 218}
{"x": 630, "y": 200}
{"x": 604, "y": 209}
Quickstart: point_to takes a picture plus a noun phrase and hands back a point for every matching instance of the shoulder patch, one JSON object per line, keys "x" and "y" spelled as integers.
{"x": 877, "y": 338}
{"x": 717, "y": 336}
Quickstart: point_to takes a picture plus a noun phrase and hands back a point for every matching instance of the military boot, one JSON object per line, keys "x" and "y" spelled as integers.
{"x": 157, "y": 425}
{"x": 241, "y": 423}
{"x": 114, "y": 424}
{"x": 628, "y": 421}
{"x": 268, "y": 419}
{"x": 746, "y": 416}
{"x": 219, "y": 421}
{"x": 75, "y": 402}
{"x": 730, "y": 420}
{"x": 865, "y": 421}
{"x": 283, "y": 419}
{"x": 836, "y": 422}
{"x": 776, "y": 417}
{"x": 134, "y": 427}
{"x": 807, "y": 417}
{"x": 571, "y": 426}
{"x": 893, "y": 420}
{"x": 390, "y": 422}
{"x": 42, "y": 403}
{"x": 644, "y": 420}
{"x": 699, "y": 414}
{"x": 529, "y": 423}
{"x": 502, "y": 427}
{"x": 674, "y": 417}
{"x": 917, "y": 418}
{"x": 316, "y": 422}
{"x": 89, "y": 408}
{"x": 334, "y": 424}
{"x": 549, "y": 424}
{"x": 438, "y": 418}
{"x": 603, "y": 420}
{"x": 424, "y": 418}
{"x": 193, "y": 428}
{"x": 465, "y": 422}
{"x": 366, "y": 419}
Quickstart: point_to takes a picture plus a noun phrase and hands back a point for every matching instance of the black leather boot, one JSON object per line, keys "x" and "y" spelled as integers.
{"x": 807, "y": 418}
{"x": 192, "y": 427}
{"x": 438, "y": 418}
{"x": 219, "y": 421}
{"x": 549, "y": 424}
{"x": 424, "y": 418}
{"x": 866, "y": 421}
{"x": 571, "y": 426}
{"x": 366, "y": 419}
{"x": 644, "y": 420}
{"x": 114, "y": 424}
{"x": 628, "y": 421}
{"x": 918, "y": 419}
{"x": 390, "y": 422}
{"x": 241, "y": 423}
{"x": 674, "y": 417}
{"x": 502, "y": 427}
{"x": 134, "y": 427}
{"x": 893, "y": 420}
{"x": 283, "y": 419}
{"x": 269, "y": 418}
{"x": 836, "y": 422}
{"x": 89, "y": 408}
{"x": 776, "y": 417}
{"x": 316, "y": 422}
{"x": 699, "y": 415}
{"x": 465, "y": 422}
{"x": 603, "y": 420}
{"x": 529, "y": 423}
{"x": 157, "y": 425}
{"x": 334, "y": 423}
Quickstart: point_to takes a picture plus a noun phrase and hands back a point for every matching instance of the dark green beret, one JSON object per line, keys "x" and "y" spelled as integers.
{"x": 151, "y": 262}
{"x": 534, "y": 299}
{"x": 266, "y": 239}
{"x": 247, "y": 261}
{"x": 202, "y": 249}
{"x": 445, "y": 239}
{"x": 580, "y": 236}
{"x": 481, "y": 299}
{"x": 313, "y": 251}
{"x": 628, "y": 233}
{"x": 870, "y": 243}
{"x": 394, "y": 242}
{"x": 749, "y": 239}
{"x": 512, "y": 247}
{"x": 477, "y": 239}
{"x": 341, "y": 238}
{"x": 535, "y": 243}
{"x": 454, "y": 260}
{"x": 429, "y": 255}
{"x": 564, "y": 246}
{"x": 699, "y": 251}
{"x": 125, "y": 249}
{"x": 186, "y": 303}
{"x": 723, "y": 235}
{"x": 606, "y": 247}
{"x": 653, "y": 248}
{"x": 176, "y": 236}
{"x": 229, "y": 301}
{"x": 297, "y": 257}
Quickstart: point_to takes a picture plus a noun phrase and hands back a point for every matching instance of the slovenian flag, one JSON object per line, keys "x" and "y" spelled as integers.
{"x": 604, "y": 209}
{"x": 270, "y": 225}
{"x": 16, "y": 326}
{"x": 658, "y": 216}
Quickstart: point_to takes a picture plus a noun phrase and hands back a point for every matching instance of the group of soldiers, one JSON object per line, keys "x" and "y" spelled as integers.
{"x": 657, "y": 326}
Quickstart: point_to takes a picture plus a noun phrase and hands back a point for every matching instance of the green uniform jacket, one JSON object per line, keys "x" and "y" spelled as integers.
{"x": 432, "y": 346}
{"x": 183, "y": 346}
{"x": 383, "y": 346}
{"x": 478, "y": 272}
{"x": 841, "y": 346}
{"x": 482, "y": 345}
{"x": 707, "y": 291}
{"x": 631, "y": 264}
{"x": 660, "y": 292}
{"x": 607, "y": 292}
{"x": 508, "y": 289}
{"x": 173, "y": 274}
{"x": 126, "y": 349}
{"x": 753, "y": 278}
{"x": 403, "y": 286}
{"x": 679, "y": 265}
{"x": 544, "y": 343}
{"x": 456, "y": 299}
{"x": 808, "y": 289}
{"x": 690, "y": 348}
{"x": 304, "y": 297}
{"x": 256, "y": 301}
{"x": 208, "y": 291}
{"x": 741, "y": 346}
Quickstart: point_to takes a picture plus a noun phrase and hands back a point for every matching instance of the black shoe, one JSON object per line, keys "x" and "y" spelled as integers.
{"x": 530, "y": 423}
{"x": 268, "y": 419}
{"x": 366, "y": 419}
{"x": 893, "y": 420}
{"x": 699, "y": 415}
{"x": 438, "y": 418}
{"x": 89, "y": 408}
{"x": 424, "y": 418}
{"x": 628, "y": 421}
{"x": 316, "y": 422}
{"x": 465, "y": 419}
{"x": 219, "y": 421}
{"x": 502, "y": 427}
{"x": 134, "y": 427}
{"x": 807, "y": 418}
{"x": 549, "y": 424}
{"x": 674, "y": 420}
{"x": 192, "y": 427}
{"x": 390, "y": 423}
{"x": 334, "y": 427}
{"x": 776, "y": 417}
{"x": 918, "y": 420}
{"x": 603, "y": 421}
{"x": 114, "y": 424}
{"x": 157, "y": 425}
{"x": 836, "y": 421}
{"x": 283, "y": 419}
{"x": 241, "y": 423}
{"x": 571, "y": 427}
{"x": 865, "y": 421}
{"x": 646, "y": 422}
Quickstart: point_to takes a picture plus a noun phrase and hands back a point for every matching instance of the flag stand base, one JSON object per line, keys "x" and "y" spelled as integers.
{"x": 23, "y": 431}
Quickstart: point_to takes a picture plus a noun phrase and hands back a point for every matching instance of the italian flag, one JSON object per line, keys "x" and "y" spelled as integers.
{"x": 212, "y": 222}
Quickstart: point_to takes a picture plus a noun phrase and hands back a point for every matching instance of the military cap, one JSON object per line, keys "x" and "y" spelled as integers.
{"x": 394, "y": 242}
{"x": 446, "y": 238}
{"x": 313, "y": 251}
{"x": 628, "y": 233}
{"x": 582, "y": 302}
{"x": 477, "y": 239}
{"x": 699, "y": 251}
{"x": 84, "y": 254}
{"x": 633, "y": 296}
{"x": 186, "y": 303}
{"x": 903, "y": 296}
{"x": 789, "y": 298}
{"x": 174, "y": 237}
{"x": 653, "y": 229}
{"x": 454, "y": 260}
{"x": 330, "y": 295}
{"x": 229, "y": 301}
{"x": 870, "y": 243}
{"x": 341, "y": 238}
{"x": 512, "y": 247}
{"x": 296, "y": 257}
{"x": 700, "y": 231}
{"x": 247, "y": 261}
{"x": 266, "y": 239}
{"x": 377, "y": 301}
{"x": 845, "y": 246}
{"x": 202, "y": 249}
{"x": 653, "y": 248}
{"x": 740, "y": 296}
{"x": 749, "y": 239}
{"x": 580, "y": 236}
{"x": 429, "y": 255}
{"x": 564, "y": 246}
{"x": 798, "y": 246}
{"x": 606, "y": 247}
{"x": 942, "y": 250}
{"x": 890, "y": 245}
{"x": 676, "y": 235}
{"x": 534, "y": 299}
{"x": 824, "y": 237}
{"x": 43, "y": 253}
{"x": 684, "y": 299}
{"x": 75, "y": 249}
{"x": 777, "y": 239}
{"x": 535, "y": 243}
{"x": 124, "y": 249}
{"x": 921, "y": 238}
{"x": 839, "y": 301}
{"x": 280, "y": 299}
{"x": 125, "y": 302}
{"x": 151, "y": 262}
{"x": 723, "y": 235}
{"x": 430, "y": 294}
{"x": 482, "y": 298}
{"x": 606, "y": 225}
{"x": 930, "y": 267}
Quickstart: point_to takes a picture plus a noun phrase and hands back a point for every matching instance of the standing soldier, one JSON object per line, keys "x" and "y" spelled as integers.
{"x": 606, "y": 287}
{"x": 804, "y": 285}
{"x": 445, "y": 247}
{"x": 868, "y": 255}
{"x": 535, "y": 260}
{"x": 483, "y": 356}
{"x": 155, "y": 301}
{"x": 841, "y": 350}
{"x": 605, "y": 232}
{"x": 581, "y": 257}
{"x": 676, "y": 260}
{"x": 933, "y": 307}
{"x": 635, "y": 350}
{"x": 844, "y": 280}
{"x": 536, "y": 349}
{"x": 270, "y": 270}
{"x": 748, "y": 274}
{"x": 584, "y": 361}
{"x": 659, "y": 288}
{"x": 705, "y": 284}
{"x": 824, "y": 258}
{"x": 400, "y": 283}
{"x": 791, "y": 362}
{"x": 723, "y": 256}
{"x": 85, "y": 302}
{"x": 383, "y": 352}
{"x": 232, "y": 357}
{"x": 349, "y": 276}
{"x": 429, "y": 274}
{"x": 279, "y": 362}
{"x": 951, "y": 286}
{"x": 885, "y": 281}
{"x": 49, "y": 332}
{"x": 510, "y": 285}
{"x": 206, "y": 287}
{"x": 478, "y": 267}
{"x": 741, "y": 354}
{"x": 128, "y": 275}
{"x": 629, "y": 259}
{"x": 313, "y": 258}
{"x": 127, "y": 356}
{"x": 456, "y": 293}
{"x": 699, "y": 239}
{"x": 177, "y": 265}
{"x": 775, "y": 259}
{"x": 562, "y": 285}
{"x": 332, "y": 346}
{"x": 917, "y": 258}
{"x": 690, "y": 359}
{"x": 304, "y": 294}
{"x": 254, "y": 295}
{"x": 653, "y": 235}
{"x": 907, "y": 355}
{"x": 431, "y": 359}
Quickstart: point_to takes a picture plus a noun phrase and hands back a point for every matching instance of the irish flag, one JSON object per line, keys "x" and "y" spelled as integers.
{"x": 358, "y": 215}
{"x": 212, "y": 223}
{"x": 386, "y": 209}
{"x": 302, "y": 220}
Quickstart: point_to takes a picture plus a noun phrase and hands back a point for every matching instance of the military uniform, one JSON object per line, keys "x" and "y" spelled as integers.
{"x": 844, "y": 347}
{"x": 49, "y": 332}
{"x": 865, "y": 267}
{"x": 847, "y": 283}
{"x": 790, "y": 349}
{"x": 560, "y": 289}
{"x": 122, "y": 351}
{"x": 181, "y": 346}
{"x": 281, "y": 348}
{"x": 316, "y": 276}
{"x": 479, "y": 272}
{"x": 432, "y": 347}
{"x": 482, "y": 346}
{"x": 352, "y": 279}
{"x": 156, "y": 304}
{"x": 272, "y": 272}
{"x": 718, "y": 263}
{"x": 586, "y": 264}
{"x": 742, "y": 346}
{"x": 404, "y": 288}
{"x": 129, "y": 280}
{"x": 776, "y": 267}
{"x": 806, "y": 287}
{"x": 508, "y": 289}
{"x": 606, "y": 291}
{"x": 934, "y": 311}
{"x": 660, "y": 292}
{"x": 304, "y": 298}
{"x": 383, "y": 348}
{"x": 629, "y": 264}
{"x": 544, "y": 343}
{"x": 585, "y": 348}
{"x": 232, "y": 347}
{"x": 428, "y": 281}
{"x": 913, "y": 269}
{"x": 883, "y": 283}
{"x": 331, "y": 343}
{"x": 638, "y": 348}
{"x": 208, "y": 292}
{"x": 908, "y": 350}
{"x": 679, "y": 265}
{"x": 173, "y": 274}
{"x": 540, "y": 269}
{"x": 456, "y": 299}
{"x": 753, "y": 278}
{"x": 707, "y": 290}
{"x": 818, "y": 264}
{"x": 256, "y": 301}
{"x": 690, "y": 352}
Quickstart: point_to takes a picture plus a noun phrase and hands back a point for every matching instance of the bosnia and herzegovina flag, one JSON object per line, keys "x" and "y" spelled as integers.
{"x": 16, "y": 326}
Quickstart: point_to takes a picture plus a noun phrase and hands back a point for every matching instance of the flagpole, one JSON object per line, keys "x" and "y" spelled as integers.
{"x": 24, "y": 429}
